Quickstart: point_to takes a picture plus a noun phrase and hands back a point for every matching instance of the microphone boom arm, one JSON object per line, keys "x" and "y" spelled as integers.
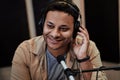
{"x": 97, "y": 69}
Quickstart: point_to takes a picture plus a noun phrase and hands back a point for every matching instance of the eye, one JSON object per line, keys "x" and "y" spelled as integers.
{"x": 64, "y": 29}
{"x": 50, "y": 25}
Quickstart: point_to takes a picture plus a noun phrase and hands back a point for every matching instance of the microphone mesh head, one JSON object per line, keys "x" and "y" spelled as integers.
{"x": 60, "y": 58}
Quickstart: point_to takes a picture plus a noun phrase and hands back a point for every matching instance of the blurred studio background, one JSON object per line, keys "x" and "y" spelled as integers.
{"x": 19, "y": 19}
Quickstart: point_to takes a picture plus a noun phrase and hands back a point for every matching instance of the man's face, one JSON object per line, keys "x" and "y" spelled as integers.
{"x": 58, "y": 29}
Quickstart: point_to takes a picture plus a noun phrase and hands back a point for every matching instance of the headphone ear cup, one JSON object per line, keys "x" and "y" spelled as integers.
{"x": 41, "y": 22}
{"x": 76, "y": 28}
{"x": 40, "y": 25}
{"x": 77, "y": 24}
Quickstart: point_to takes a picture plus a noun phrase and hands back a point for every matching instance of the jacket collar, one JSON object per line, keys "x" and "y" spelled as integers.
{"x": 38, "y": 45}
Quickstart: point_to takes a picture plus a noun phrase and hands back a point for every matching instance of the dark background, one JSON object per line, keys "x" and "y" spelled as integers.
{"x": 101, "y": 21}
{"x": 102, "y": 24}
{"x": 13, "y": 28}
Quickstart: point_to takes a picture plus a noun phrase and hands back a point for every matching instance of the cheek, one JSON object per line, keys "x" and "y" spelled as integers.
{"x": 68, "y": 36}
{"x": 45, "y": 30}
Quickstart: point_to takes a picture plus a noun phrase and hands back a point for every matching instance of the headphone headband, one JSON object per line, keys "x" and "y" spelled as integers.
{"x": 72, "y": 5}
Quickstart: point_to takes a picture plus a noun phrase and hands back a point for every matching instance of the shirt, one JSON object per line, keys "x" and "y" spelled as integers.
{"x": 53, "y": 66}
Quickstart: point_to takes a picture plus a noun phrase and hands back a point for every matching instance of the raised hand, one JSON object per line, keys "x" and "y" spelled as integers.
{"x": 81, "y": 44}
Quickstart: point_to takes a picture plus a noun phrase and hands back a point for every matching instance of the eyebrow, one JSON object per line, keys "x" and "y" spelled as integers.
{"x": 64, "y": 25}
{"x": 49, "y": 22}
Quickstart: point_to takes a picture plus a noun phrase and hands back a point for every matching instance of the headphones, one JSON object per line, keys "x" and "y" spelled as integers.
{"x": 73, "y": 10}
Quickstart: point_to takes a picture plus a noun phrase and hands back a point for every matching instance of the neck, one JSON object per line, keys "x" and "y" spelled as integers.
{"x": 57, "y": 52}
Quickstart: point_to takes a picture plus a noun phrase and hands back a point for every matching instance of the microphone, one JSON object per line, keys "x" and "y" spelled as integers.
{"x": 67, "y": 70}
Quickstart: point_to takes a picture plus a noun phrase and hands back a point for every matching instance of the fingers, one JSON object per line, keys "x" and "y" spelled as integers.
{"x": 83, "y": 32}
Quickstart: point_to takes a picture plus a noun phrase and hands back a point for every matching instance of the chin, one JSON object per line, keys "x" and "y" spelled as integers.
{"x": 54, "y": 47}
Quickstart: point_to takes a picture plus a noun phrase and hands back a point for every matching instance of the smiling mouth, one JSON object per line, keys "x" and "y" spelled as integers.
{"x": 54, "y": 41}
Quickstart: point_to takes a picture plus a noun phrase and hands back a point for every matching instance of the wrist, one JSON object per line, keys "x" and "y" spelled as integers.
{"x": 83, "y": 59}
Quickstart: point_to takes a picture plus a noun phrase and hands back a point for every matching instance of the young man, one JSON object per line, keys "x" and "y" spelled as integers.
{"x": 35, "y": 59}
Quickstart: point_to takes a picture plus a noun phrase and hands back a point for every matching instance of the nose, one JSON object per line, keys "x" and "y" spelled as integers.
{"x": 55, "y": 33}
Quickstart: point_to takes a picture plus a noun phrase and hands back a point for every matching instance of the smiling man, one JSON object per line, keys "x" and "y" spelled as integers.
{"x": 35, "y": 59}
{"x": 57, "y": 32}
